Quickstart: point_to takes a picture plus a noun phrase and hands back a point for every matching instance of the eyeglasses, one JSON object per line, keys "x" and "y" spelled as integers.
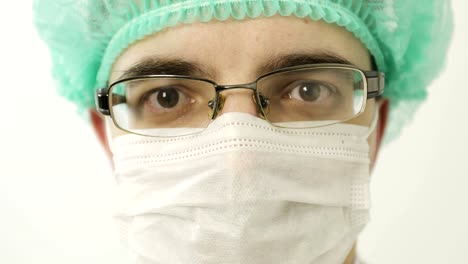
{"x": 304, "y": 96}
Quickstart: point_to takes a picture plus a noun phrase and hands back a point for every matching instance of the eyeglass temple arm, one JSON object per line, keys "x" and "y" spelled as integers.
{"x": 102, "y": 101}
{"x": 375, "y": 83}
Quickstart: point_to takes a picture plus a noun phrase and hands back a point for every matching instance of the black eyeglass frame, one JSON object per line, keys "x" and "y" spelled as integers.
{"x": 374, "y": 85}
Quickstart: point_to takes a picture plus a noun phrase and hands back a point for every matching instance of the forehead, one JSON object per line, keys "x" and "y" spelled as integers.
{"x": 236, "y": 49}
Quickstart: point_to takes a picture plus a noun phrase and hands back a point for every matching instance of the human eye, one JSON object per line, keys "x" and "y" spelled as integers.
{"x": 311, "y": 92}
{"x": 165, "y": 99}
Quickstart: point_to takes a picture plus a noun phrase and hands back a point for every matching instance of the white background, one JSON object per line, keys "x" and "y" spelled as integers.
{"x": 55, "y": 181}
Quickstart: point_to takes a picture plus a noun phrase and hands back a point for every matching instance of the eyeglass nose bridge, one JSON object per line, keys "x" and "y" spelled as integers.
{"x": 260, "y": 100}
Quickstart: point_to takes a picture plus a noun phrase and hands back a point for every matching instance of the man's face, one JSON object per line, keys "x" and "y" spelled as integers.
{"x": 235, "y": 52}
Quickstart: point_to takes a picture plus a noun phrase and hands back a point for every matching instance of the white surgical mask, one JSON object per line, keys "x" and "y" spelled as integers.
{"x": 244, "y": 192}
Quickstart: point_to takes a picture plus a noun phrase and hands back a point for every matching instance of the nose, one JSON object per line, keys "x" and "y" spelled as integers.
{"x": 238, "y": 100}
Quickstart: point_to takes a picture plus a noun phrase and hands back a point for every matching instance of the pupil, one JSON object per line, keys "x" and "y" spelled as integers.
{"x": 168, "y": 97}
{"x": 309, "y": 92}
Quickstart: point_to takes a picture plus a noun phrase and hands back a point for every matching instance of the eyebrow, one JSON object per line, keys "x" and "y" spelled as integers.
{"x": 169, "y": 66}
{"x": 297, "y": 59}
{"x": 164, "y": 66}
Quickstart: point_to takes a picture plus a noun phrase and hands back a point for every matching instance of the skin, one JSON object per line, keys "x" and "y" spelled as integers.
{"x": 233, "y": 50}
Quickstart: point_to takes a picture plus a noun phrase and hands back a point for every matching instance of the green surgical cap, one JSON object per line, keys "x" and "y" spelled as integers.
{"x": 407, "y": 38}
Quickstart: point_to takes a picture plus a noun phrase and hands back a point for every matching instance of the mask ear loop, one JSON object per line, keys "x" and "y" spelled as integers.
{"x": 375, "y": 120}
{"x": 110, "y": 141}
{"x": 109, "y": 138}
